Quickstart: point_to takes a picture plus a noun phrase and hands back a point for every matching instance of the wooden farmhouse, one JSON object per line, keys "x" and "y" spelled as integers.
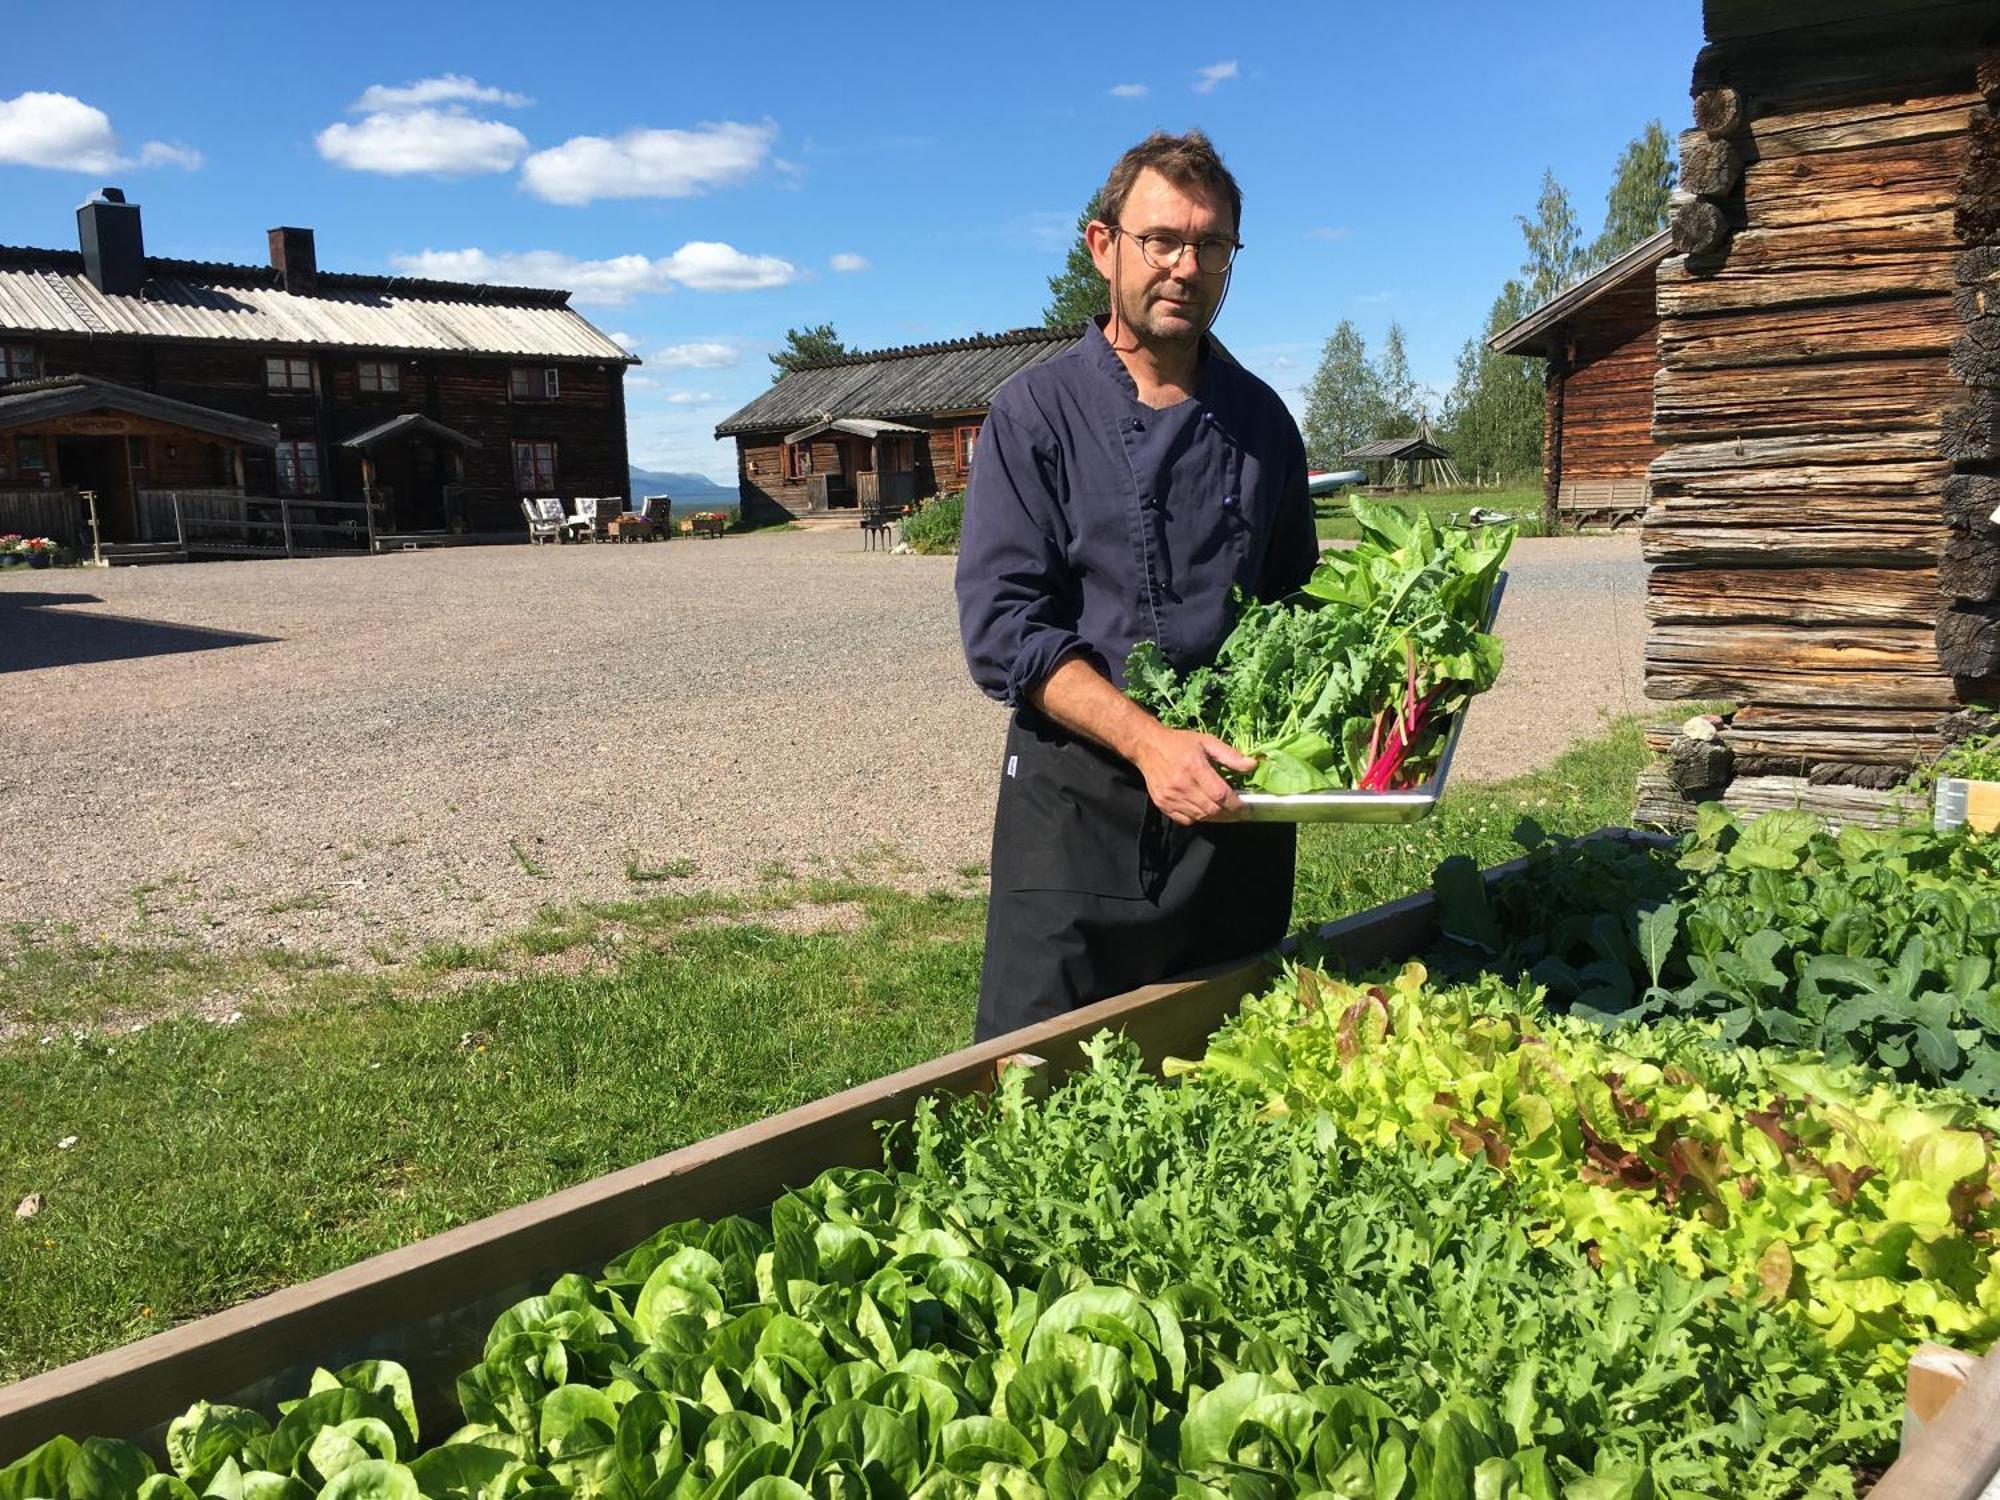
{"x": 196, "y": 408}
{"x": 887, "y": 428}
{"x": 1823, "y": 463}
{"x": 1600, "y": 340}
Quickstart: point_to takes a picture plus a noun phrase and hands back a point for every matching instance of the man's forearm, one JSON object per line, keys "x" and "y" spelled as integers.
{"x": 1081, "y": 699}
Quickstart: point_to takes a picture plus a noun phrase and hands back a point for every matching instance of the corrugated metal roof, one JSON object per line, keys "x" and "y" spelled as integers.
{"x": 409, "y": 424}
{"x": 868, "y": 427}
{"x": 23, "y": 402}
{"x": 958, "y": 376}
{"x": 47, "y": 292}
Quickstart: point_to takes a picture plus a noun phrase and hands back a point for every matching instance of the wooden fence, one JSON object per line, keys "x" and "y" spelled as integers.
{"x": 58, "y": 514}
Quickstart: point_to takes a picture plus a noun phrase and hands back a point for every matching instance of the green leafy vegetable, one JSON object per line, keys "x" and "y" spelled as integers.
{"x": 1353, "y": 683}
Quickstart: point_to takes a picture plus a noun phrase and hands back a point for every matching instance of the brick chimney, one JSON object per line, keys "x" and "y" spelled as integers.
{"x": 114, "y": 251}
{"x": 293, "y": 255}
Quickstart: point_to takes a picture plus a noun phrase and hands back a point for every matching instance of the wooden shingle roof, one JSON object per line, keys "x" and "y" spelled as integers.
{"x": 960, "y": 375}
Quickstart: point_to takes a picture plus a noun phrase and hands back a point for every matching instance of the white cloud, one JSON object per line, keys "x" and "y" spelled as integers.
{"x": 447, "y": 143}
{"x": 648, "y": 163}
{"x": 846, "y": 260}
{"x": 692, "y": 398}
{"x": 62, "y": 132}
{"x": 710, "y": 266}
{"x": 706, "y": 356}
{"x": 703, "y": 265}
{"x": 626, "y": 341}
{"x": 169, "y": 154}
{"x": 1329, "y": 232}
{"x": 611, "y": 282}
{"x": 1129, "y": 91}
{"x": 1207, "y": 79}
{"x": 449, "y": 88}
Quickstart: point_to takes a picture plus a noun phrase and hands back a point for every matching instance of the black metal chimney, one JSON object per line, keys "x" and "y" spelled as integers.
{"x": 114, "y": 252}
{"x": 293, "y": 254}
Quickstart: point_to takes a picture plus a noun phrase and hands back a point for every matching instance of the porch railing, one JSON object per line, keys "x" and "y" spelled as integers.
{"x": 228, "y": 521}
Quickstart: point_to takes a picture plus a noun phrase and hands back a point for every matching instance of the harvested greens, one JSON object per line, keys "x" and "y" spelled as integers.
{"x": 1352, "y": 683}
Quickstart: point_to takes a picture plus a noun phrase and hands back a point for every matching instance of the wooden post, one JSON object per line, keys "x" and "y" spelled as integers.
{"x": 368, "y": 495}
{"x": 1552, "y": 420}
{"x": 285, "y": 519}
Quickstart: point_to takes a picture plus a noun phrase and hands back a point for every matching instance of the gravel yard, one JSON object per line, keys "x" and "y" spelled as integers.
{"x": 371, "y": 755}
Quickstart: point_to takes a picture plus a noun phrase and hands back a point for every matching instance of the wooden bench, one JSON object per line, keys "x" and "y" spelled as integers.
{"x": 1611, "y": 502}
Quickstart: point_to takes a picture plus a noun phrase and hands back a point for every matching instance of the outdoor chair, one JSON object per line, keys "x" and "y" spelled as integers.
{"x": 545, "y": 519}
{"x": 659, "y": 509}
{"x": 583, "y": 525}
{"x": 878, "y": 523}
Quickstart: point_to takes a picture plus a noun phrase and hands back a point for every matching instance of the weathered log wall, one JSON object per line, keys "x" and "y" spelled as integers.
{"x": 1829, "y": 388}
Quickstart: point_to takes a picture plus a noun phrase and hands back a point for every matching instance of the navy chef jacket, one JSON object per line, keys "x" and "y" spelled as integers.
{"x": 1094, "y": 521}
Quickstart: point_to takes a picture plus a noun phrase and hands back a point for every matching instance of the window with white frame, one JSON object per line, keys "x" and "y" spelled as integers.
{"x": 17, "y": 362}
{"x": 378, "y": 375}
{"x": 535, "y": 467}
{"x": 298, "y": 468}
{"x": 529, "y": 383}
{"x": 282, "y": 373}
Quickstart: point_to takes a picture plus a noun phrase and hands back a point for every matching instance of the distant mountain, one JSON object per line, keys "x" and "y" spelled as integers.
{"x": 690, "y": 491}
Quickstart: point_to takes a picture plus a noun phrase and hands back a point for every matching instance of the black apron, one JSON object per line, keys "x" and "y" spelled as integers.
{"x": 1096, "y": 891}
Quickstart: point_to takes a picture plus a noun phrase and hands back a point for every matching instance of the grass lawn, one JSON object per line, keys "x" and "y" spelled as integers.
{"x": 189, "y": 1164}
{"x": 1336, "y": 524}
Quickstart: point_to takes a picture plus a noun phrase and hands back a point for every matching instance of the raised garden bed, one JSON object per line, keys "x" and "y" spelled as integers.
{"x": 1207, "y": 1385}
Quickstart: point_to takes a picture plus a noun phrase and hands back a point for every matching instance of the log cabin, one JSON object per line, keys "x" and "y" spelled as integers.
{"x": 1599, "y": 341}
{"x": 884, "y": 428}
{"x": 1820, "y": 521}
{"x": 153, "y": 407}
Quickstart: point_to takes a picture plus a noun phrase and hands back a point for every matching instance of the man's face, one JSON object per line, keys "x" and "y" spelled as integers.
{"x": 1171, "y": 305}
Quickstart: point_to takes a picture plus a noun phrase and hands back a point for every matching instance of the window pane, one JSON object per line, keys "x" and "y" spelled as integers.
{"x": 520, "y": 385}
{"x": 390, "y": 376}
{"x": 29, "y": 453}
{"x": 135, "y": 450}
{"x": 274, "y": 372}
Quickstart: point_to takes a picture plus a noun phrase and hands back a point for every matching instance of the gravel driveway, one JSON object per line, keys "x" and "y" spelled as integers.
{"x": 367, "y": 755}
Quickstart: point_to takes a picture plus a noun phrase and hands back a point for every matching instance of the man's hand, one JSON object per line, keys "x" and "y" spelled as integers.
{"x": 1179, "y": 767}
{"x": 1178, "y": 764}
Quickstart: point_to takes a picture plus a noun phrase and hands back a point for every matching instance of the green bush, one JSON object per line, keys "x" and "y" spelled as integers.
{"x": 934, "y": 529}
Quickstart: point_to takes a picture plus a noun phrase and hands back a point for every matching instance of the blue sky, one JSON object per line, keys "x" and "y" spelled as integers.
{"x": 706, "y": 176}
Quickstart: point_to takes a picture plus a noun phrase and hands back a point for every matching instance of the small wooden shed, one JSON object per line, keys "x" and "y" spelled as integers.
{"x": 1829, "y": 346}
{"x": 1600, "y": 339}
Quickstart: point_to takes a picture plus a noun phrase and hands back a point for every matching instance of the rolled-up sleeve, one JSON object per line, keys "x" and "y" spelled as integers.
{"x": 1295, "y": 539}
{"x": 1017, "y": 601}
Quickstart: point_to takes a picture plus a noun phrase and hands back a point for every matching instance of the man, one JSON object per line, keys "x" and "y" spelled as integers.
{"x": 1120, "y": 492}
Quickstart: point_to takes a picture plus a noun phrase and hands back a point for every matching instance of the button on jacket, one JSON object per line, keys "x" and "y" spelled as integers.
{"x": 1094, "y": 521}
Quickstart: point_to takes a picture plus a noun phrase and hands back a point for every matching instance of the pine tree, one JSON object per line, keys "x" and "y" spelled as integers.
{"x": 1344, "y": 401}
{"x": 803, "y": 345}
{"x": 1636, "y": 207}
{"x": 1078, "y": 292}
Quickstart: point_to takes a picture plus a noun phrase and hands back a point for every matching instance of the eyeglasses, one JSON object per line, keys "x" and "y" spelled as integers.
{"x": 1163, "y": 251}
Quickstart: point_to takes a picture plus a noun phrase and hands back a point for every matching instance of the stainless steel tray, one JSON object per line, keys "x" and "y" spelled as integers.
{"x": 1368, "y": 807}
